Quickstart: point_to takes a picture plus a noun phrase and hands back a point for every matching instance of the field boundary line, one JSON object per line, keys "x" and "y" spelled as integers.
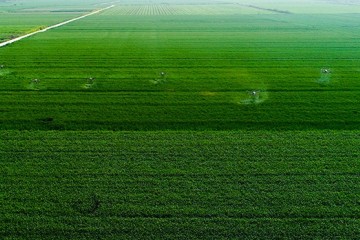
{"x": 3, "y": 44}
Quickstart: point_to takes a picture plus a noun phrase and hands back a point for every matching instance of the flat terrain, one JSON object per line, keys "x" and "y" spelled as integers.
{"x": 104, "y": 72}
{"x": 20, "y": 17}
{"x": 180, "y": 120}
{"x": 16, "y": 24}
{"x": 180, "y": 185}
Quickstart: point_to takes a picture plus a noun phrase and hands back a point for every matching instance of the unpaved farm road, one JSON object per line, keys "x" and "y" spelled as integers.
{"x": 53, "y": 26}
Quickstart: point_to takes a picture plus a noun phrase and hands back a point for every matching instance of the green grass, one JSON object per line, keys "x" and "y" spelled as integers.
{"x": 179, "y": 185}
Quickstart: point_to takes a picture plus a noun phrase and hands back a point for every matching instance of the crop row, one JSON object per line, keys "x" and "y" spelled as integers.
{"x": 181, "y": 110}
{"x": 183, "y": 9}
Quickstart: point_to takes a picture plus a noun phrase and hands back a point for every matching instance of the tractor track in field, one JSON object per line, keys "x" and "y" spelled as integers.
{"x": 3, "y": 44}
{"x": 267, "y": 9}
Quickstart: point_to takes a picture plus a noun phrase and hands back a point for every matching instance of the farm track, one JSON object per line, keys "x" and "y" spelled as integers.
{"x": 180, "y": 9}
{"x": 3, "y": 44}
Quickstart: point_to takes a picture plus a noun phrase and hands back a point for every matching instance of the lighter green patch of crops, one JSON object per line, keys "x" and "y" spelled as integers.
{"x": 161, "y": 78}
{"x": 90, "y": 83}
{"x": 35, "y": 84}
{"x": 257, "y": 93}
{"x": 208, "y": 94}
{"x": 254, "y": 97}
{"x": 4, "y": 72}
{"x": 325, "y": 77}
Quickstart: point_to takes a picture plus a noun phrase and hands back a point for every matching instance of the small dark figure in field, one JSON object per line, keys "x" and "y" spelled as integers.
{"x": 95, "y": 204}
{"x": 2, "y": 66}
{"x": 36, "y": 81}
{"x": 47, "y": 120}
{"x": 88, "y": 205}
{"x": 91, "y": 80}
{"x": 163, "y": 74}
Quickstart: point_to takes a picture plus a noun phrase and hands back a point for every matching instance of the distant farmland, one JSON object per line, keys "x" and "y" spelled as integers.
{"x": 180, "y": 121}
{"x": 212, "y": 64}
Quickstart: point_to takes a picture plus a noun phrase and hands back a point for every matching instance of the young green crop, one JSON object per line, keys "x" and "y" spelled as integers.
{"x": 259, "y": 184}
{"x": 181, "y": 67}
{"x": 213, "y": 65}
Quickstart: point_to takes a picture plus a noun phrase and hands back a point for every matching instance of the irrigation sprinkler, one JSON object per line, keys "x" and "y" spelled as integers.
{"x": 325, "y": 70}
{"x": 254, "y": 93}
{"x": 90, "y": 81}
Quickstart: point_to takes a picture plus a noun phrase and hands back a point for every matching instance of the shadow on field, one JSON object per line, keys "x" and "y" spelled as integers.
{"x": 87, "y": 204}
{"x": 4, "y": 72}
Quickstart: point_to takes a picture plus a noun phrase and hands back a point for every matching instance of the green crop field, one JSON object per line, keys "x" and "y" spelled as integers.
{"x": 20, "y": 16}
{"x": 212, "y": 185}
{"x": 180, "y": 120}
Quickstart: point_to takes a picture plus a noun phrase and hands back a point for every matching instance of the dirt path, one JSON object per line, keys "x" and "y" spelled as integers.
{"x": 53, "y": 26}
